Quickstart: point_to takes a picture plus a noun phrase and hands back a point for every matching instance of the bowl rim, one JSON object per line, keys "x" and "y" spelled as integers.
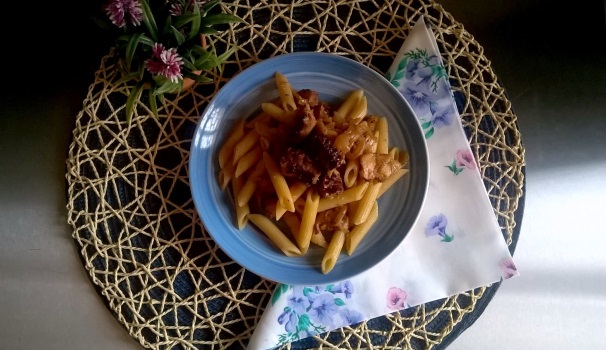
{"x": 259, "y": 66}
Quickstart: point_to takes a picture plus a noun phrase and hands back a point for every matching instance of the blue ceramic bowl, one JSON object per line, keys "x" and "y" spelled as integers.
{"x": 334, "y": 77}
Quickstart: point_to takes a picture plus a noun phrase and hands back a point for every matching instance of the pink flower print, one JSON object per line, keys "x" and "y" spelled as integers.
{"x": 465, "y": 159}
{"x": 165, "y": 62}
{"x": 508, "y": 268}
{"x": 121, "y": 10}
{"x": 396, "y": 298}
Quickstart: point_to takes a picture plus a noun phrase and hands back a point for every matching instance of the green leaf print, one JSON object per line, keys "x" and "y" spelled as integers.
{"x": 429, "y": 133}
{"x": 281, "y": 289}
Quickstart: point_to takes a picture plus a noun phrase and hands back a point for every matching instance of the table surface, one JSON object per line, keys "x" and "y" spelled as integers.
{"x": 47, "y": 300}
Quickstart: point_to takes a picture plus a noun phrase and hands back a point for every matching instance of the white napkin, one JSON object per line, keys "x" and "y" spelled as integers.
{"x": 456, "y": 245}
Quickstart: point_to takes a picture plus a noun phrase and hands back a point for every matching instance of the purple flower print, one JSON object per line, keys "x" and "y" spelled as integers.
{"x": 508, "y": 268}
{"x": 312, "y": 310}
{"x": 396, "y": 298}
{"x": 463, "y": 159}
{"x": 350, "y": 317}
{"x": 298, "y": 302}
{"x": 436, "y": 226}
{"x": 290, "y": 320}
{"x": 418, "y": 96}
{"x": 441, "y": 115}
{"x": 323, "y": 309}
{"x": 345, "y": 287}
{"x": 411, "y": 68}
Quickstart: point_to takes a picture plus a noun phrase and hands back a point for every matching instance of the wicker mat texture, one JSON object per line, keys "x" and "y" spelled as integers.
{"x": 136, "y": 227}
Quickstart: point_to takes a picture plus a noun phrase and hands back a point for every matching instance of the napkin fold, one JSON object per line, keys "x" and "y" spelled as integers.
{"x": 455, "y": 246}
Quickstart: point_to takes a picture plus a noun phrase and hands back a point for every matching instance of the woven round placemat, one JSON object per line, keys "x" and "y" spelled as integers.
{"x": 134, "y": 222}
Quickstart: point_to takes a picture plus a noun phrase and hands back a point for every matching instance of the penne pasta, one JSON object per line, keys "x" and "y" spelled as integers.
{"x": 296, "y": 190}
{"x": 278, "y": 113}
{"x": 331, "y": 255}
{"x": 285, "y": 91}
{"x": 359, "y": 111}
{"x": 350, "y": 102}
{"x": 366, "y": 202}
{"x": 359, "y": 231}
{"x": 258, "y": 151}
{"x": 391, "y": 179}
{"x": 250, "y": 140}
{"x": 261, "y": 117}
{"x": 226, "y": 174}
{"x": 274, "y": 234}
{"x": 382, "y": 144}
{"x": 350, "y": 175}
{"x": 226, "y": 151}
{"x": 307, "y": 221}
{"x": 292, "y": 221}
{"x": 241, "y": 211}
{"x": 347, "y": 196}
{"x": 249, "y": 160}
{"x": 279, "y": 182}
{"x": 247, "y": 191}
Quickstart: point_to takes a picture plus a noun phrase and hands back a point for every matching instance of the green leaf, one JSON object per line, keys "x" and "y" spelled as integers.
{"x": 195, "y": 23}
{"x": 179, "y": 37}
{"x": 131, "y": 49}
{"x": 402, "y": 64}
{"x": 127, "y": 77}
{"x": 152, "y": 104}
{"x": 198, "y": 77}
{"x": 208, "y": 31}
{"x": 149, "y": 21}
{"x": 395, "y": 83}
{"x": 281, "y": 288}
{"x": 429, "y": 133}
{"x": 307, "y": 291}
{"x": 304, "y": 321}
{"x": 447, "y": 238}
{"x": 219, "y": 18}
{"x": 388, "y": 76}
{"x": 339, "y": 301}
{"x": 208, "y": 6}
{"x": 133, "y": 97}
{"x": 167, "y": 87}
{"x": 426, "y": 125}
{"x": 184, "y": 19}
{"x": 399, "y": 75}
{"x": 146, "y": 40}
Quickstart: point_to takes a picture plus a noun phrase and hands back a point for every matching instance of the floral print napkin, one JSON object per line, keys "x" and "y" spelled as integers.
{"x": 456, "y": 245}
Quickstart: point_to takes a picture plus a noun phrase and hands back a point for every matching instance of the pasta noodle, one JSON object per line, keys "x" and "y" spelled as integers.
{"x": 275, "y": 235}
{"x": 382, "y": 146}
{"x": 333, "y": 251}
{"x": 286, "y": 96}
{"x": 366, "y": 202}
{"x": 226, "y": 151}
{"x": 359, "y": 231}
{"x": 279, "y": 182}
{"x": 309, "y": 217}
{"x": 241, "y": 211}
{"x": 305, "y": 172}
{"x": 244, "y": 145}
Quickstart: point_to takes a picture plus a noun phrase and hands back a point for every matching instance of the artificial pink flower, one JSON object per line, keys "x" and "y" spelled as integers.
{"x": 396, "y": 298}
{"x": 465, "y": 159}
{"x": 165, "y": 62}
{"x": 121, "y": 10}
